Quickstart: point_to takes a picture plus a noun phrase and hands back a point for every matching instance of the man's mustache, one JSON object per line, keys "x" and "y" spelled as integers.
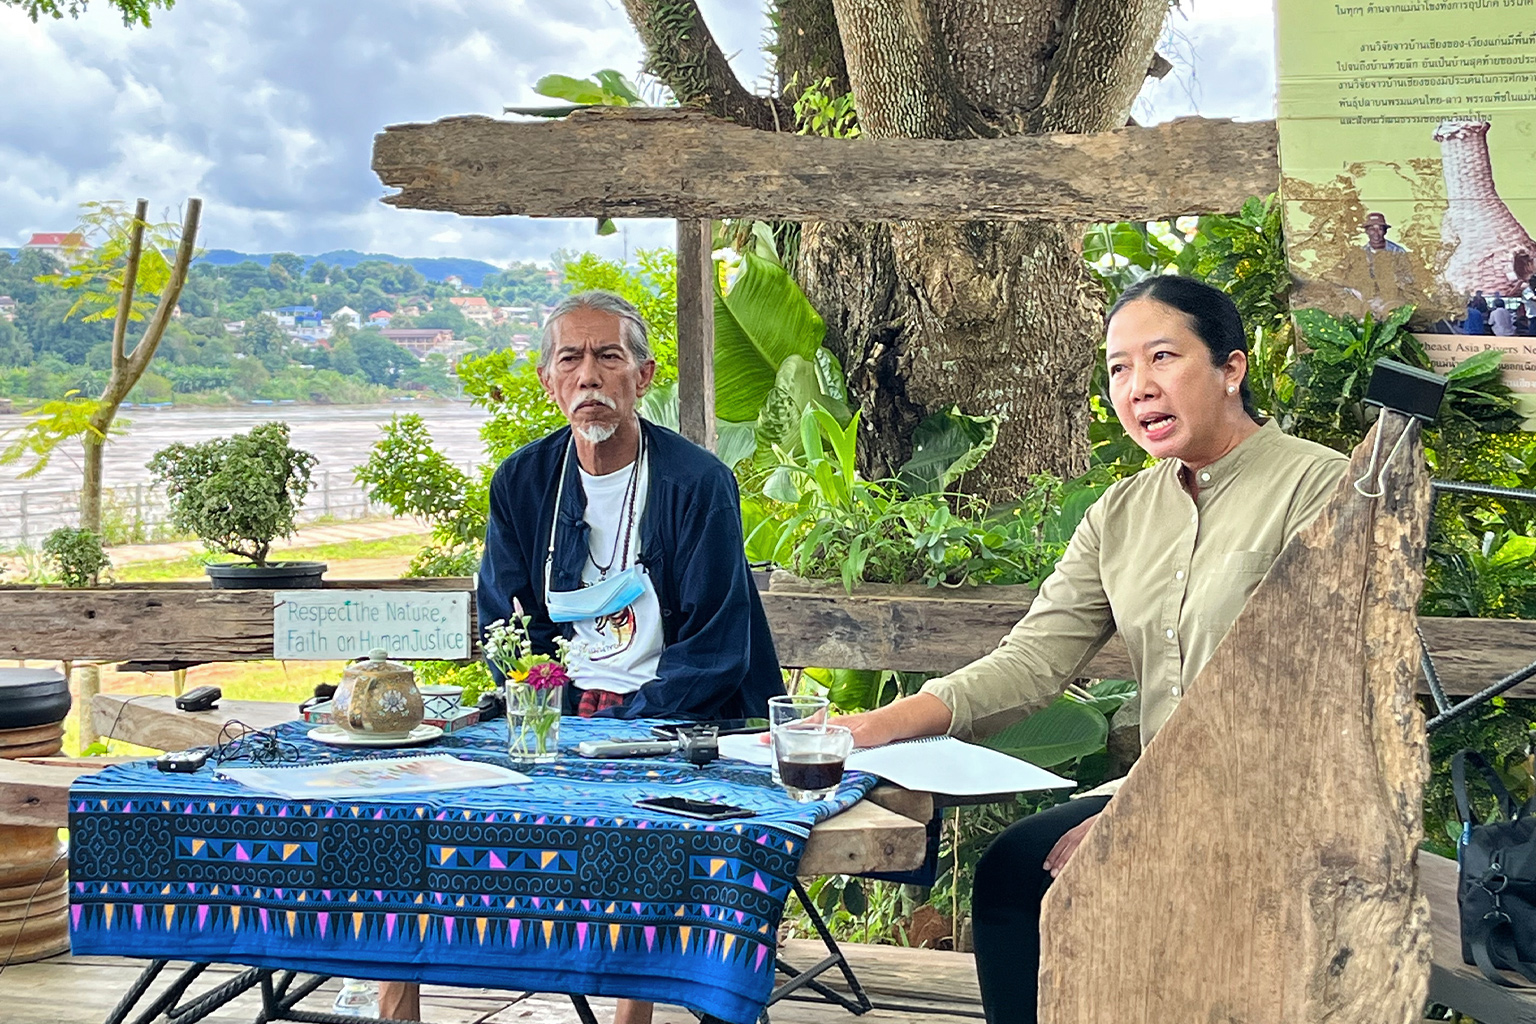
{"x": 598, "y": 398}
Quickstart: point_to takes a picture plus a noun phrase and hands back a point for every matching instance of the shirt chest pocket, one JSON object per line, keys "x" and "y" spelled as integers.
{"x": 1227, "y": 588}
{"x": 1249, "y": 563}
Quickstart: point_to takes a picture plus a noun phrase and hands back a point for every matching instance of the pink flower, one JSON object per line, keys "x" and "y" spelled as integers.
{"x": 546, "y": 676}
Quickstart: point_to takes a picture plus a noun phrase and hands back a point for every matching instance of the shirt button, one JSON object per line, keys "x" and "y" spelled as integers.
{"x": 1205, "y": 478}
{"x": 1194, "y": 517}
{"x": 1177, "y": 691}
{"x": 1168, "y": 633}
{"x": 1179, "y": 575}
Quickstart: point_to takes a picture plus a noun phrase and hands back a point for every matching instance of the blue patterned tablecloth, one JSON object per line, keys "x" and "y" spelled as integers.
{"x": 555, "y": 886}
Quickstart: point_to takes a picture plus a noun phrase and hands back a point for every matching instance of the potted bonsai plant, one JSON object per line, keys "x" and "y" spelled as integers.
{"x": 237, "y": 494}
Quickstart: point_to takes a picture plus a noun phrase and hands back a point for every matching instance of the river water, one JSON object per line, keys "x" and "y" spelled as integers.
{"x": 339, "y": 436}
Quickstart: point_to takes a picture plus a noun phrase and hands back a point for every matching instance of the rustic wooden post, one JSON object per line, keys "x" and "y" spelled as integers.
{"x": 1258, "y": 865}
{"x": 696, "y": 332}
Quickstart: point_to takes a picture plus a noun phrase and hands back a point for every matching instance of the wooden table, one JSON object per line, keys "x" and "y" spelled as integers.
{"x": 886, "y": 831}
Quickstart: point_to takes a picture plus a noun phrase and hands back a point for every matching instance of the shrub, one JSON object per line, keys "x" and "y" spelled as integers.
{"x": 238, "y": 493}
{"x": 75, "y": 556}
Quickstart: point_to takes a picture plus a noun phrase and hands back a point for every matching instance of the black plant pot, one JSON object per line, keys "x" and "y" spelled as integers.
{"x": 32, "y": 696}
{"x": 273, "y": 576}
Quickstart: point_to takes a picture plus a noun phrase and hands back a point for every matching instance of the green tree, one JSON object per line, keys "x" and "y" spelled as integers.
{"x": 380, "y": 359}
{"x": 291, "y": 265}
{"x": 114, "y": 281}
{"x": 14, "y": 349}
{"x": 134, "y": 12}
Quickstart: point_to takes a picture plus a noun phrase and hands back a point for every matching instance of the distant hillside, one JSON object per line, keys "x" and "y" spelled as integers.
{"x": 433, "y": 268}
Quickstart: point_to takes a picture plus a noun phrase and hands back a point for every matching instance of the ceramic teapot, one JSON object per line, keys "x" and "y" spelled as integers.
{"x": 377, "y": 697}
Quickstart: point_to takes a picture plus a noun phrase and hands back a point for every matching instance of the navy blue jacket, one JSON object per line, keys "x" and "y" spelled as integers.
{"x": 718, "y": 660}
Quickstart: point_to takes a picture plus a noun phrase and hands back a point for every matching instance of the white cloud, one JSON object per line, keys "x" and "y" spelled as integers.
{"x": 268, "y": 109}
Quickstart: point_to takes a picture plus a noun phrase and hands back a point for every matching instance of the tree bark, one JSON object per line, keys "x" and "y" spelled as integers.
{"x": 809, "y": 48}
{"x": 681, "y": 52}
{"x": 1001, "y": 319}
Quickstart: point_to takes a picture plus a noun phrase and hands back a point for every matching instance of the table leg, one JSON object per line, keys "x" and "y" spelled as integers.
{"x": 859, "y": 1004}
{"x": 583, "y": 1009}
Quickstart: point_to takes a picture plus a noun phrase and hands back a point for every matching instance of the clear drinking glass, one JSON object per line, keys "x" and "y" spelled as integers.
{"x": 793, "y": 712}
{"x": 810, "y": 759}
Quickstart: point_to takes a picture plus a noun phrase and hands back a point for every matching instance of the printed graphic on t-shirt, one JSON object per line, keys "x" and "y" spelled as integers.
{"x": 615, "y": 634}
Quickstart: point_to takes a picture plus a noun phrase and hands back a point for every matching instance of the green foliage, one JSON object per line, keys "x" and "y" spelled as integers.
{"x": 238, "y": 493}
{"x": 75, "y": 556}
{"x": 134, "y": 12}
{"x": 407, "y": 472}
{"x": 818, "y": 112}
{"x": 822, "y": 520}
{"x": 606, "y": 88}
{"x": 96, "y": 274}
{"x": 48, "y": 426}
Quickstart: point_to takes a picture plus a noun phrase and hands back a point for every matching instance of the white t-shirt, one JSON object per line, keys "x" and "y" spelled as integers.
{"x": 617, "y": 652}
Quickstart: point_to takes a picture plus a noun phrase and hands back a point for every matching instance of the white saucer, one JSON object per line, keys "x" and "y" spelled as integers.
{"x": 336, "y": 736}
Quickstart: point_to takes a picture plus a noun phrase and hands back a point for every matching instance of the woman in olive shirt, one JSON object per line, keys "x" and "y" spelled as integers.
{"x": 1166, "y": 558}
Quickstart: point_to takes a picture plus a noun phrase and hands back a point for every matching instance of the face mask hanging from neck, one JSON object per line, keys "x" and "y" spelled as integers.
{"x": 605, "y": 597}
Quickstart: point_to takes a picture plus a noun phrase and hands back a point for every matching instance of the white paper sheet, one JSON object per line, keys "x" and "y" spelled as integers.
{"x": 933, "y": 764}
{"x": 375, "y": 776}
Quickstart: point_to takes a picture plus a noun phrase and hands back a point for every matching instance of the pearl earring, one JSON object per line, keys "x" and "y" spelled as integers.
{"x": 1231, "y": 389}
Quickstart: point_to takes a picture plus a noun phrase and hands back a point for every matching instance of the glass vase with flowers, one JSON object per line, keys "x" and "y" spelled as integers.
{"x": 535, "y": 685}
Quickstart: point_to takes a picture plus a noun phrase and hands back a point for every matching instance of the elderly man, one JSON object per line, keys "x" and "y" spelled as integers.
{"x": 645, "y": 562}
{"x": 626, "y": 536}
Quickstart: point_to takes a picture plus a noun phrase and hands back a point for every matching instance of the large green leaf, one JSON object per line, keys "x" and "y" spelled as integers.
{"x": 733, "y": 441}
{"x": 945, "y": 445}
{"x": 764, "y": 320}
{"x": 849, "y": 689}
{"x": 659, "y": 405}
{"x": 572, "y": 90}
{"x": 1067, "y": 729}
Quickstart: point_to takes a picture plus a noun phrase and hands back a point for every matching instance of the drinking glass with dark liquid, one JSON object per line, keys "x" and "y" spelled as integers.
{"x": 810, "y": 759}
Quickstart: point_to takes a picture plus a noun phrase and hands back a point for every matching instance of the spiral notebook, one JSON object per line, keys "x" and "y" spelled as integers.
{"x": 374, "y": 776}
{"x": 932, "y": 764}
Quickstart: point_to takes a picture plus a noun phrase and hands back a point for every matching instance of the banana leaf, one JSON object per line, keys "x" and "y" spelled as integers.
{"x": 764, "y": 320}
{"x": 1065, "y": 730}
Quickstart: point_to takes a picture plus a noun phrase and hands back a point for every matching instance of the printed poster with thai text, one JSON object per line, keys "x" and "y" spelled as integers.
{"x": 1408, "y": 167}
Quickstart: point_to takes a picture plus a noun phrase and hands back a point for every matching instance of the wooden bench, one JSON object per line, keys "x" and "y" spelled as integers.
{"x": 1452, "y": 983}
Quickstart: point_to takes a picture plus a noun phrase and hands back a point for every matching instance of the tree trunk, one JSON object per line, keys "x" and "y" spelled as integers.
{"x": 128, "y": 367}
{"x": 999, "y": 319}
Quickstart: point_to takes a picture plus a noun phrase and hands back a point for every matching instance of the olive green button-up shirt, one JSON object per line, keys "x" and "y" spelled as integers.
{"x": 1167, "y": 571}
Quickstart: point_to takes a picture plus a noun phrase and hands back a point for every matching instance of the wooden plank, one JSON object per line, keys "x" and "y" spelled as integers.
{"x": 917, "y": 806}
{"x": 1452, "y": 982}
{"x": 153, "y": 720}
{"x": 687, "y": 165}
{"x": 865, "y": 837}
{"x": 870, "y": 630}
{"x": 35, "y": 794}
{"x": 1297, "y": 804}
{"x": 696, "y": 332}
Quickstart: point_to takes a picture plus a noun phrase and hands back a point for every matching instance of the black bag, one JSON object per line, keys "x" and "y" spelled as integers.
{"x": 1496, "y": 888}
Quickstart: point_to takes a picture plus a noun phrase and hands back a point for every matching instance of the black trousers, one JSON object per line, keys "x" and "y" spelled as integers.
{"x": 1005, "y": 909}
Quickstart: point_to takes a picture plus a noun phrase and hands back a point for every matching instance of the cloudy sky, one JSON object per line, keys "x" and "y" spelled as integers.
{"x": 267, "y": 108}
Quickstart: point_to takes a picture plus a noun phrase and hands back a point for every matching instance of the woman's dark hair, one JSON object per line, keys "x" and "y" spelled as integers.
{"x": 1212, "y": 315}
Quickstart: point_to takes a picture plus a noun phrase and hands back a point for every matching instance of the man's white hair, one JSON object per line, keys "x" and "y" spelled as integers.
{"x": 631, "y": 324}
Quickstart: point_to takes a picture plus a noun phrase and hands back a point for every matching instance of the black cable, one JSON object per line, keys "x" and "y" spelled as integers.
{"x": 22, "y": 927}
{"x": 138, "y": 696}
{"x": 1509, "y": 682}
{"x": 261, "y": 747}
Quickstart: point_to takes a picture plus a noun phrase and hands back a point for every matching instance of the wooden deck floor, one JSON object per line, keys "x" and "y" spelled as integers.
{"x": 906, "y": 985}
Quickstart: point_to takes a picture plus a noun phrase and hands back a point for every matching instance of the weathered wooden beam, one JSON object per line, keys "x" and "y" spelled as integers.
{"x": 696, "y": 332}
{"x": 683, "y": 164}
{"x": 35, "y": 794}
{"x": 828, "y": 628}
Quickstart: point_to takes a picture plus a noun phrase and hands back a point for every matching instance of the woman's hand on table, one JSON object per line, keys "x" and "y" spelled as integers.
{"x": 921, "y": 714}
{"x": 1066, "y": 846}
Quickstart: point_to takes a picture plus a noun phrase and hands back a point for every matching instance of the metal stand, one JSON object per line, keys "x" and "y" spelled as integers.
{"x": 280, "y": 997}
{"x": 858, "y": 1005}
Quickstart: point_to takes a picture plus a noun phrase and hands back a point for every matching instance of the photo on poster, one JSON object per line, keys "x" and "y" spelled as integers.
{"x": 1408, "y": 167}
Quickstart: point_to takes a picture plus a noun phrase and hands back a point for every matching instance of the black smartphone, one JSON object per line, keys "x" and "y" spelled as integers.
{"x": 702, "y": 809}
{"x": 726, "y": 727}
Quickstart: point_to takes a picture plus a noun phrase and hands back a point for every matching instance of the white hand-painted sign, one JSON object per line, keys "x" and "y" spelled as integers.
{"x": 339, "y": 625}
